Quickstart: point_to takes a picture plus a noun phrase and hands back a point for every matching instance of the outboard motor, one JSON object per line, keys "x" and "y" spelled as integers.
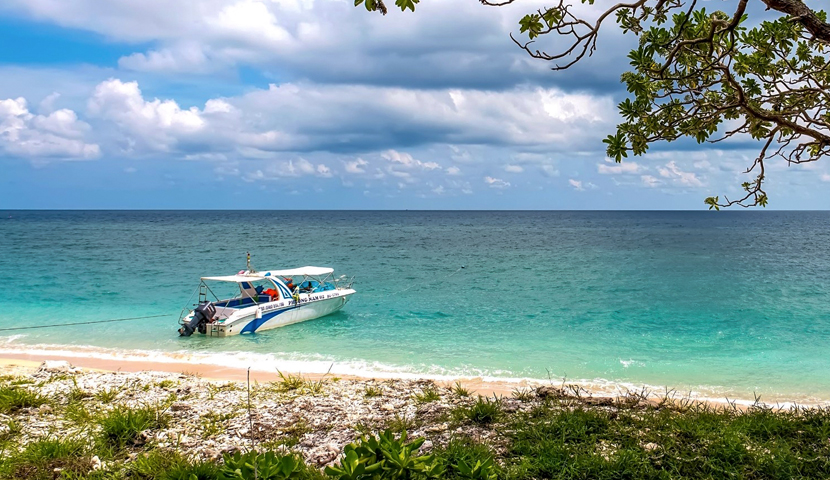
{"x": 202, "y": 314}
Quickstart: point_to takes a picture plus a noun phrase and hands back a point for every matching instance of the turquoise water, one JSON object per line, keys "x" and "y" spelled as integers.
{"x": 725, "y": 304}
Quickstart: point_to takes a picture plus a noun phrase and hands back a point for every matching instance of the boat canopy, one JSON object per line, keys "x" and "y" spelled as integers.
{"x": 236, "y": 278}
{"x": 298, "y": 272}
{"x": 293, "y": 272}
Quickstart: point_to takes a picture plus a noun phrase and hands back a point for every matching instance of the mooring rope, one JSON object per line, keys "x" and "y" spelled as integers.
{"x": 83, "y": 323}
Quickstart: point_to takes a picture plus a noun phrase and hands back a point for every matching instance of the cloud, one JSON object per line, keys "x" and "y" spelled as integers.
{"x": 673, "y": 172}
{"x": 626, "y": 167}
{"x": 356, "y": 166}
{"x": 580, "y": 185}
{"x": 448, "y": 44}
{"x": 513, "y": 168}
{"x": 496, "y": 182}
{"x": 39, "y": 138}
{"x": 650, "y": 181}
{"x": 453, "y": 170}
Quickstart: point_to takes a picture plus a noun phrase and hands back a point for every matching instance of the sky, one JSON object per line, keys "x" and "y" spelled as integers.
{"x": 316, "y": 104}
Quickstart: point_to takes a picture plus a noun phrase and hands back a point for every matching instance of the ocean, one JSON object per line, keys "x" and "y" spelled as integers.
{"x": 721, "y": 304}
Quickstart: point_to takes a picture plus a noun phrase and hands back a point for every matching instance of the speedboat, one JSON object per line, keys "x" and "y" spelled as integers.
{"x": 265, "y": 300}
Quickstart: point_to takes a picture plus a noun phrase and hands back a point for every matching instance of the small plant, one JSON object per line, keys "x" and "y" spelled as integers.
{"x": 10, "y": 430}
{"x": 122, "y": 425}
{"x": 370, "y": 392}
{"x": 523, "y": 394}
{"x": 13, "y": 398}
{"x": 263, "y": 466}
{"x": 167, "y": 383}
{"x": 40, "y": 459}
{"x": 483, "y": 412}
{"x": 107, "y": 395}
{"x": 170, "y": 465}
{"x": 385, "y": 456}
{"x": 76, "y": 395}
{"x": 214, "y": 423}
{"x": 428, "y": 395}
{"x": 480, "y": 470}
{"x": 291, "y": 382}
{"x": 460, "y": 391}
{"x": 401, "y": 423}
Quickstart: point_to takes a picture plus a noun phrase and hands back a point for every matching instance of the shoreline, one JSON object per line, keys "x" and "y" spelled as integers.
{"x": 28, "y": 363}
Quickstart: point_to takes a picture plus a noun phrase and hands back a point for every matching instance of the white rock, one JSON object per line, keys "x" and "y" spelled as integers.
{"x": 96, "y": 462}
{"x": 55, "y": 366}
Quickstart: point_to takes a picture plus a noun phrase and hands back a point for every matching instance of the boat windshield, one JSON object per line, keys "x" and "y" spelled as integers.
{"x": 244, "y": 294}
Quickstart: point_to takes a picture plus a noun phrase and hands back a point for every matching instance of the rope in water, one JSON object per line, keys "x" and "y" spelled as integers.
{"x": 83, "y": 323}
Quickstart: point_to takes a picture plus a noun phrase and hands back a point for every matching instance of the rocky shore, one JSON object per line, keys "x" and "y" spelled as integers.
{"x": 207, "y": 419}
{"x": 61, "y": 422}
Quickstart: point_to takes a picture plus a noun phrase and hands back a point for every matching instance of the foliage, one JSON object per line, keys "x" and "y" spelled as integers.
{"x": 467, "y": 459}
{"x": 371, "y": 391}
{"x": 484, "y": 411}
{"x": 703, "y": 75}
{"x": 695, "y": 442}
{"x": 385, "y": 457}
{"x": 39, "y": 459}
{"x": 428, "y": 394}
{"x": 121, "y": 426}
{"x": 266, "y": 466}
{"x": 460, "y": 391}
{"x": 169, "y": 465}
{"x": 13, "y": 398}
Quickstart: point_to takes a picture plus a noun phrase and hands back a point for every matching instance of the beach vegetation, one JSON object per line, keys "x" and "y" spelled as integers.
{"x": 107, "y": 395}
{"x": 428, "y": 394}
{"x": 459, "y": 391}
{"x": 122, "y": 425}
{"x": 213, "y": 423}
{"x": 13, "y": 398}
{"x": 523, "y": 394}
{"x": 159, "y": 464}
{"x": 40, "y": 459}
{"x": 400, "y": 423}
{"x": 267, "y": 466}
{"x": 483, "y": 411}
{"x": 467, "y": 459}
{"x": 386, "y": 456}
{"x": 371, "y": 391}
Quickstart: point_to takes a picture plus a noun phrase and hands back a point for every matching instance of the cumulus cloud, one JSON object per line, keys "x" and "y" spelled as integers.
{"x": 59, "y": 135}
{"x": 513, "y": 168}
{"x": 357, "y": 166}
{"x": 612, "y": 168}
{"x": 674, "y": 173}
{"x": 580, "y": 185}
{"x": 650, "y": 181}
{"x": 496, "y": 182}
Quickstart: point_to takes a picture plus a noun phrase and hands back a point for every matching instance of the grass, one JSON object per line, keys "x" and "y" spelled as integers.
{"x": 370, "y": 392}
{"x": 107, "y": 395}
{"x": 462, "y": 449}
{"x": 697, "y": 442}
{"x": 483, "y": 412}
{"x": 171, "y": 465}
{"x": 120, "y": 427}
{"x": 13, "y": 398}
{"x": 523, "y": 394}
{"x": 40, "y": 459}
{"x": 429, "y": 394}
{"x": 459, "y": 391}
{"x": 213, "y": 423}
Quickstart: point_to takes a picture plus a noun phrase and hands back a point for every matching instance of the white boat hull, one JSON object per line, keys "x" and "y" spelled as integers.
{"x": 267, "y": 316}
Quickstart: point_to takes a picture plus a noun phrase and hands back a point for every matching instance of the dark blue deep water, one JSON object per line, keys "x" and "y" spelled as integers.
{"x": 723, "y": 303}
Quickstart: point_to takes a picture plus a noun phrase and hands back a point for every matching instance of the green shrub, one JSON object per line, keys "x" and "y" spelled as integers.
{"x": 122, "y": 425}
{"x": 170, "y": 465}
{"x": 467, "y": 458}
{"x": 13, "y": 398}
{"x": 386, "y": 457}
{"x": 483, "y": 412}
{"x": 266, "y": 466}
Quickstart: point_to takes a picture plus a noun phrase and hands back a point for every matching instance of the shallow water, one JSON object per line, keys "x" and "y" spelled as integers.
{"x": 725, "y": 304}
